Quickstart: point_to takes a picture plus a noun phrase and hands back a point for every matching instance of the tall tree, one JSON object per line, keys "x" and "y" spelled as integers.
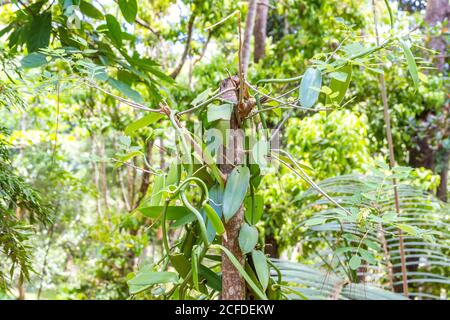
{"x": 260, "y": 30}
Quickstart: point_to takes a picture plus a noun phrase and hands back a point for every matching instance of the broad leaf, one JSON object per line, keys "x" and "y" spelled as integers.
{"x": 235, "y": 190}
{"x": 254, "y": 208}
{"x": 248, "y": 238}
{"x": 339, "y": 84}
{"x": 33, "y": 60}
{"x": 261, "y": 267}
{"x": 173, "y": 212}
{"x": 144, "y": 280}
{"x": 115, "y": 31}
{"x": 310, "y": 87}
{"x": 38, "y": 35}
{"x": 222, "y": 112}
{"x": 129, "y": 9}
{"x": 143, "y": 122}
{"x": 90, "y": 10}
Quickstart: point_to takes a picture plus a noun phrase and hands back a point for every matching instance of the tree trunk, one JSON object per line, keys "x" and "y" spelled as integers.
{"x": 437, "y": 11}
{"x": 249, "y": 25}
{"x": 233, "y": 285}
{"x": 260, "y": 30}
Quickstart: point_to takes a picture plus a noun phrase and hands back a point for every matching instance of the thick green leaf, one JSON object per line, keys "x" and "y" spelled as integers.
{"x": 158, "y": 186}
{"x": 254, "y": 208}
{"x": 339, "y": 84}
{"x": 173, "y": 212}
{"x": 173, "y": 175}
{"x": 214, "y": 218}
{"x": 201, "y": 97}
{"x": 38, "y": 34}
{"x": 213, "y": 280}
{"x": 144, "y": 280}
{"x": 180, "y": 263}
{"x": 260, "y": 152}
{"x": 310, "y": 87}
{"x": 222, "y": 112}
{"x": 261, "y": 267}
{"x": 412, "y": 66}
{"x": 248, "y": 238}
{"x": 129, "y": 9}
{"x": 33, "y": 60}
{"x": 143, "y": 122}
{"x": 235, "y": 190}
{"x": 115, "y": 31}
{"x": 90, "y": 10}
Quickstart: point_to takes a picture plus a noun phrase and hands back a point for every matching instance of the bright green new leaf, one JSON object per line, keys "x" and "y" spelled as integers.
{"x": 144, "y": 280}
{"x": 339, "y": 84}
{"x": 173, "y": 212}
{"x": 235, "y": 190}
{"x": 143, "y": 122}
{"x": 248, "y": 238}
{"x": 158, "y": 186}
{"x": 309, "y": 87}
{"x": 412, "y": 66}
{"x": 129, "y": 9}
{"x": 262, "y": 268}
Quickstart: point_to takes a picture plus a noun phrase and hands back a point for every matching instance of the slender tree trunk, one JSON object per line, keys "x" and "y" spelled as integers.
{"x": 233, "y": 285}
{"x": 437, "y": 11}
{"x": 260, "y": 30}
{"x": 249, "y": 25}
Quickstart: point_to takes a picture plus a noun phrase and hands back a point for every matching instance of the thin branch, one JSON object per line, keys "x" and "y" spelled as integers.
{"x": 123, "y": 100}
{"x": 205, "y": 46}
{"x": 387, "y": 120}
{"x": 216, "y": 96}
{"x": 187, "y": 46}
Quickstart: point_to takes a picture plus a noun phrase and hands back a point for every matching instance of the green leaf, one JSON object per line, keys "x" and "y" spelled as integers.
{"x": 115, "y": 31}
{"x": 213, "y": 280}
{"x": 143, "y": 122}
{"x": 126, "y": 90}
{"x": 214, "y": 218}
{"x": 412, "y": 66}
{"x": 39, "y": 30}
{"x": 33, "y": 60}
{"x": 222, "y": 112}
{"x": 339, "y": 84}
{"x": 309, "y": 86}
{"x": 201, "y": 97}
{"x": 129, "y": 9}
{"x": 315, "y": 221}
{"x": 254, "y": 208}
{"x": 173, "y": 212}
{"x": 158, "y": 186}
{"x": 248, "y": 238}
{"x": 235, "y": 190}
{"x": 146, "y": 279}
{"x": 90, "y": 10}
{"x": 260, "y": 152}
{"x": 194, "y": 263}
{"x": 262, "y": 268}
{"x": 355, "y": 262}
{"x": 408, "y": 229}
{"x": 173, "y": 175}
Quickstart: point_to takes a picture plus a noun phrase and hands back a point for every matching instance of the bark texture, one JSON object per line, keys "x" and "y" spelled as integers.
{"x": 260, "y": 30}
{"x": 249, "y": 25}
{"x": 233, "y": 285}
